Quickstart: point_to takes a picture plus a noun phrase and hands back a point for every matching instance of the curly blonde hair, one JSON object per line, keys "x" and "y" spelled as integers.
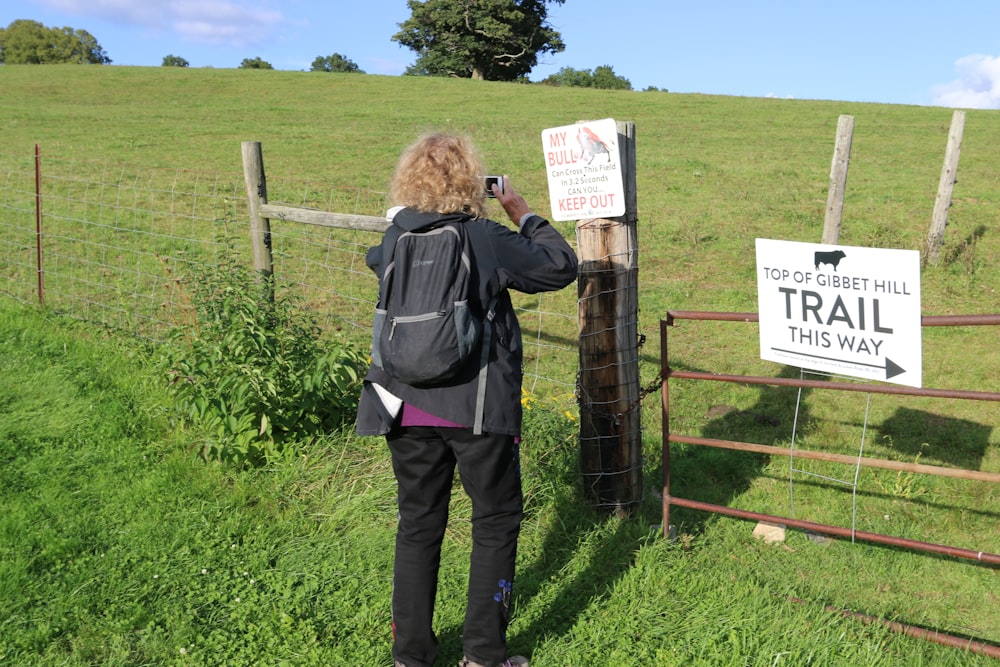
{"x": 440, "y": 173}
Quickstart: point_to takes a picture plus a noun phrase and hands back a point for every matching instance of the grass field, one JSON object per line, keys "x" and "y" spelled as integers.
{"x": 120, "y": 547}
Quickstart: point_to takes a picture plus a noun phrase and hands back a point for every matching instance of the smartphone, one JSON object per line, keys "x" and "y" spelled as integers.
{"x": 489, "y": 181}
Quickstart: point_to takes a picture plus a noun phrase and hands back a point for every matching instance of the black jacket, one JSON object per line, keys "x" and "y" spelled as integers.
{"x": 535, "y": 259}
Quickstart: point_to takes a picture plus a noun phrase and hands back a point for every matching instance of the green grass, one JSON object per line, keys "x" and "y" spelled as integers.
{"x": 109, "y": 518}
{"x": 120, "y": 547}
{"x": 714, "y": 173}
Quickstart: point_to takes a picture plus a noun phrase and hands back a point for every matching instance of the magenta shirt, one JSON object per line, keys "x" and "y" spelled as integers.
{"x": 416, "y": 417}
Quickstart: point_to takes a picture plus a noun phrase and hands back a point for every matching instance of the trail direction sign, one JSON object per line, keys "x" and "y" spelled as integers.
{"x": 584, "y": 170}
{"x": 841, "y": 310}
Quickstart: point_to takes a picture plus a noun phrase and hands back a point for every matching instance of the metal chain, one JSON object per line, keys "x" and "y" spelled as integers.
{"x": 652, "y": 387}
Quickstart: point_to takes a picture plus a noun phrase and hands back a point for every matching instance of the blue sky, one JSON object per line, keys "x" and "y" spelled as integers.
{"x": 891, "y": 51}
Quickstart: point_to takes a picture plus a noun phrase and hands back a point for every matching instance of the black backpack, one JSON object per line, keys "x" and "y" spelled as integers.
{"x": 428, "y": 321}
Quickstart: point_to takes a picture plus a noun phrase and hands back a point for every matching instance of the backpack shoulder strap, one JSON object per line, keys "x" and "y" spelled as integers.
{"x": 389, "y": 238}
{"x": 485, "y": 265}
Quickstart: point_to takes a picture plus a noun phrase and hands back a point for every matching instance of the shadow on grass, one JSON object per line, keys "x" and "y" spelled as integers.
{"x": 580, "y": 554}
{"x": 584, "y": 554}
{"x": 717, "y": 476}
{"x": 582, "y": 557}
{"x": 967, "y": 247}
{"x": 921, "y": 501}
{"x": 936, "y": 438}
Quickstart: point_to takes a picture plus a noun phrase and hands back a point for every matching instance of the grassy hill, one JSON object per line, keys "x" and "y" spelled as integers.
{"x": 713, "y": 172}
{"x": 104, "y": 508}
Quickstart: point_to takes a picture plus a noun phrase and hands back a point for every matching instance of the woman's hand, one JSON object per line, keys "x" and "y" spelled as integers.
{"x": 513, "y": 203}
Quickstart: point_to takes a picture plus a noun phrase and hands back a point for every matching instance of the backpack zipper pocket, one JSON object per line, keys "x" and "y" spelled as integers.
{"x": 405, "y": 319}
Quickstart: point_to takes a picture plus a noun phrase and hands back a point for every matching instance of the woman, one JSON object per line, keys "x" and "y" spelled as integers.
{"x": 429, "y": 430}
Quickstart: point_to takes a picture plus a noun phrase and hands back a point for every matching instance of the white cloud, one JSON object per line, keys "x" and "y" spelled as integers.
{"x": 114, "y": 11}
{"x": 977, "y": 86}
{"x": 207, "y": 21}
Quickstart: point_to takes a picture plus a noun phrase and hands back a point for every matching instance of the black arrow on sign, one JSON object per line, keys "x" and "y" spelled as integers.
{"x": 892, "y": 369}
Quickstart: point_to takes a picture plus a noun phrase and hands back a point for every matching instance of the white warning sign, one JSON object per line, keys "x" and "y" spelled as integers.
{"x": 584, "y": 170}
{"x": 841, "y": 310}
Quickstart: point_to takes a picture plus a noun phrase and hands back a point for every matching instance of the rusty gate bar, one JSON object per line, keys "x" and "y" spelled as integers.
{"x": 885, "y": 464}
{"x": 840, "y": 386}
{"x": 945, "y": 550}
{"x": 951, "y": 641}
{"x": 38, "y": 225}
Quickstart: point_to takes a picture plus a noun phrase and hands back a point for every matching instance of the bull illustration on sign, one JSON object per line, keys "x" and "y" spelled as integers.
{"x": 832, "y": 258}
{"x": 591, "y": 145}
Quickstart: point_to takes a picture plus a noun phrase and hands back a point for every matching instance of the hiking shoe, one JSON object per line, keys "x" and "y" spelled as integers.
{"x": 512, "y": 661}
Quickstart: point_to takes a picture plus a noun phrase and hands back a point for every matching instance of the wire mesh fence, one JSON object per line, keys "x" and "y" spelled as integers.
{"x": 119, "y": 245}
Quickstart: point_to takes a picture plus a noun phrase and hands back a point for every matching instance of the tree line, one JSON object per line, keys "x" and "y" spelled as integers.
{"x": 494, "y": 40}
{"x": 25, "y": 42}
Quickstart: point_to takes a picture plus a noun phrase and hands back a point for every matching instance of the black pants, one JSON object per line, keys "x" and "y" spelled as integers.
{"x": 424, "y": 459}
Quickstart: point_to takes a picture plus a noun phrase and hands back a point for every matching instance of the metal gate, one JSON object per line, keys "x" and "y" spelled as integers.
{"x": 669, "y": 500}
{"x": 668, "y": 437}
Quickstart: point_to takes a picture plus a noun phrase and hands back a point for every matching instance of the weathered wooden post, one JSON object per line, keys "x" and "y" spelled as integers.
{"x": 260, "y": 227}
{"x": 949, "y": 176}
{"x": 610, "y": 427}
{"x": 838, "y": 180}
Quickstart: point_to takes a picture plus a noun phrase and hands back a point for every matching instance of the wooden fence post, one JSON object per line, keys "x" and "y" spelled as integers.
{"x": 260, "y": 227}
{"x": 610, "y": 428}
{"x": 949, "y": 176}
{"x": 838, "y": 180}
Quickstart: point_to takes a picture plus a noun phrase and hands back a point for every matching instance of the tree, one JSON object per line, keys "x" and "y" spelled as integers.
{"x": 497, "y": 40}
{"x": 335, "y": 63}
{"x": 255, "y": 63}
{"x": 25, "y": 42}
{"x": 174, "y": 61}
{"x": 568, "y": 76}
{"x": 601, "y": 77}
{"x": 605, "y": 77}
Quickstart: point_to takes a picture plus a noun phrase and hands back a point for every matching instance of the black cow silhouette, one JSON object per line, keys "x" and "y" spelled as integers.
{"x": 832, "y": 258}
